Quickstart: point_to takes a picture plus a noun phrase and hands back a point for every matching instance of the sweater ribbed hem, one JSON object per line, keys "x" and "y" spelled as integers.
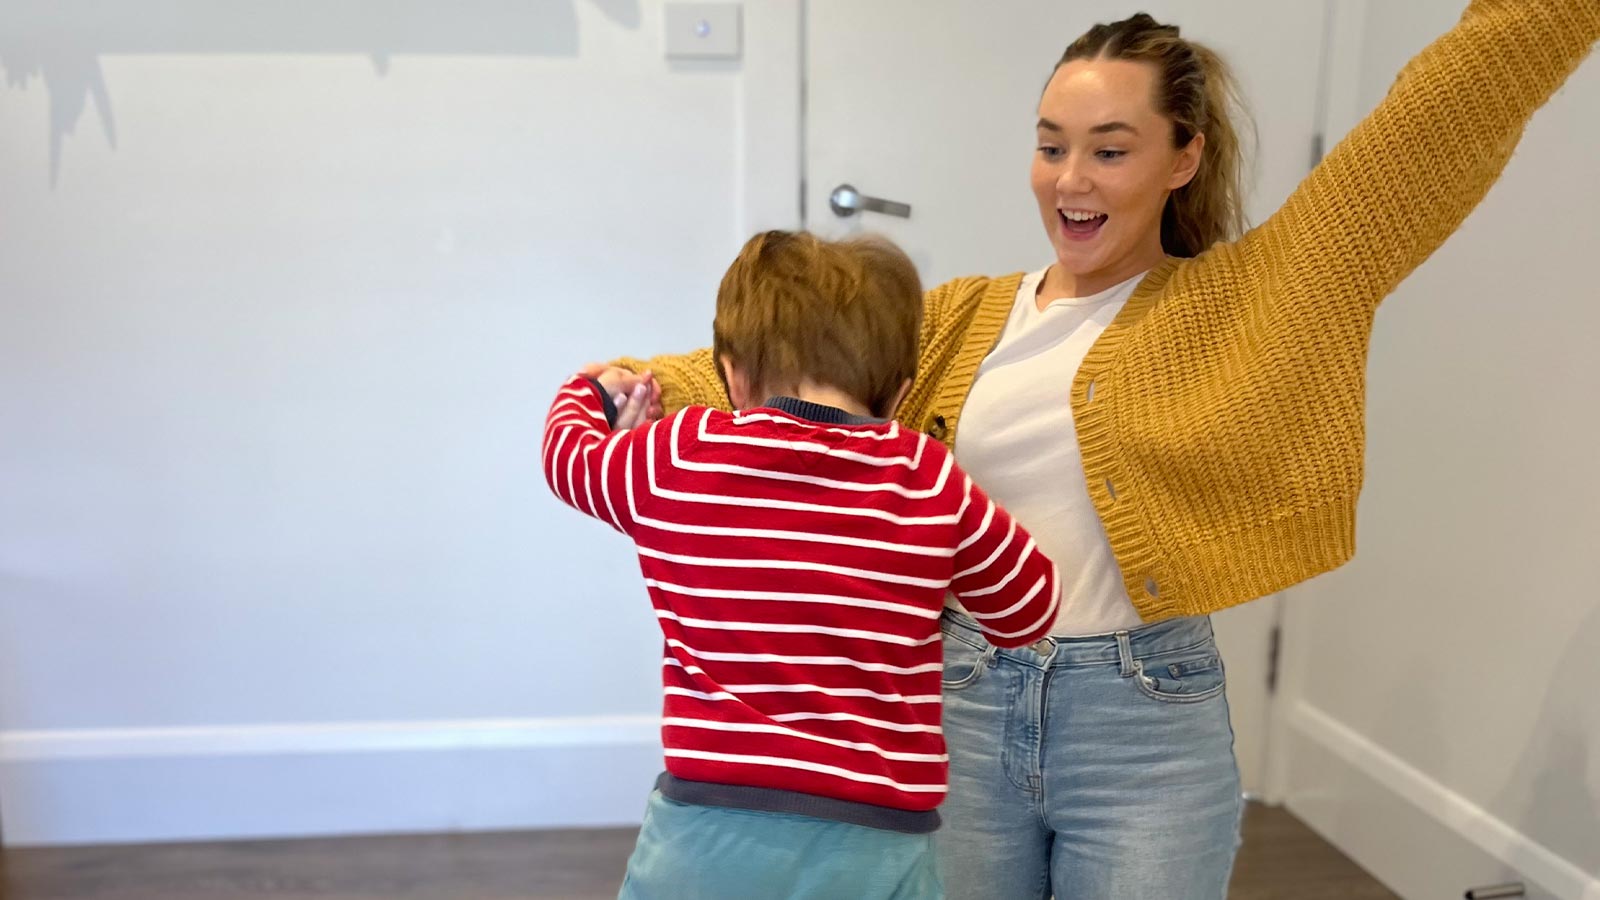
{"x": 1261, "y": 560}
{"x": 760, "y": 799}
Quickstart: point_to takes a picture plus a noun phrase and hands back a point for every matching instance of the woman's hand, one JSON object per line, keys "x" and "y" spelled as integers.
{"x": 637, "y": 396}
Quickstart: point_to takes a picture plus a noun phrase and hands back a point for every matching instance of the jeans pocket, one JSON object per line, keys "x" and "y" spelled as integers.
{"x": 1181, "y": 678}
{"x": 964, "y": 663}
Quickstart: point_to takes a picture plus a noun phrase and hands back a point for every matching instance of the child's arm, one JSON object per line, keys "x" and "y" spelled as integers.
{"x": 1001, "y": 578}
{"x": 586, "y": 462}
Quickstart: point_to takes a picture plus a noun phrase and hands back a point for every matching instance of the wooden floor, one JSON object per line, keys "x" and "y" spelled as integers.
{"x": 1281, "y": 858}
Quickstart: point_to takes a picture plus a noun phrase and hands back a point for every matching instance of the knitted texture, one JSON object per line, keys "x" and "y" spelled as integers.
{"x": 1221, "y": 415}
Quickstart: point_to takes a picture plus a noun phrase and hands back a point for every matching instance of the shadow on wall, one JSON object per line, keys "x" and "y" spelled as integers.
{"x": 61, "y": 41}
{"x": 1558, "y": 776}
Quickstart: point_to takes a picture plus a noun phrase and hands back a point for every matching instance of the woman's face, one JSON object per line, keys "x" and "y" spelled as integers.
{"x": 1103, "y": 169}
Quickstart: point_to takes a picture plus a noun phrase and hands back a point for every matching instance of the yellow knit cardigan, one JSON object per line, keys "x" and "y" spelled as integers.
{"x": 1221, "y": 415}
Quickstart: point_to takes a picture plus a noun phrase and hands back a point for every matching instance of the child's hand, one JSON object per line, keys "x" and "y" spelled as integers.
{"x": 637, "y": 397}
{"x": 633, "y": 409}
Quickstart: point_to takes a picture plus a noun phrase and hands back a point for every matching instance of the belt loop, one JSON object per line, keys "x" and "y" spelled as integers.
{"x": 1125, "y": 654}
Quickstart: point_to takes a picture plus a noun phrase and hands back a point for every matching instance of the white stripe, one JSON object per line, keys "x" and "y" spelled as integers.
{"x": 850, "y": 717}
{"x": 735, "y": 691}
{"x": 572, "y": 462}
{"x": 605, "y": 481}
{"x": 1022, "y": 560}
{"x": 1011, "y": 532}
{"x": 780, "y": 475}
{"x": 580, "y": 397}
{"x": 627, "y": 475}
{"x": 866, "y": 459}
{"x": 1026, "y": 599}
{"x": 698, "y": 695}
{"x": 983, "y": 527}
{"x": 786, "y": 597}
{"x": 966, "y": 501}
{"x": 555, "y": 460}
{"x": 588, "y": 411}
{"x": 579, "y": 387}
{"x": 756, "y": 728}
{"x": 1049, "y": 612}
{"x": 759, "y": 503}
{"x": 789, "y": 565}
{"x": 832, "y": 692}
{"x": 674, "y": 661}
{"x": 775, "y": 628}
{"x": 589, "y": 476}
{"x": 812, "y": 537}
{"x": 780, "y": 762}
{"x": 804, "y": 660}
{"x": 550, "y": 437}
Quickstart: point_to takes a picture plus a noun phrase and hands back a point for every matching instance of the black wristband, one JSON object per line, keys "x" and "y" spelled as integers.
{"x": 605, "y": 399}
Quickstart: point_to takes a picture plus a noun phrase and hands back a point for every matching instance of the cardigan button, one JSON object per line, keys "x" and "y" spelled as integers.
{"x": 936, "y": 427}
{"x": 1089, "y": 394}
{"x": 1151, "y": 588}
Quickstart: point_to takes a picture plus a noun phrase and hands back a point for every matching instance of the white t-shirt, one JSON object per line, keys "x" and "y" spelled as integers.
{"x": 1017, "y": 441}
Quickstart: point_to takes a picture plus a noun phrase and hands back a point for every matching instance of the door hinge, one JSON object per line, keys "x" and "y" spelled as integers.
{"x": 1274, "y": 644}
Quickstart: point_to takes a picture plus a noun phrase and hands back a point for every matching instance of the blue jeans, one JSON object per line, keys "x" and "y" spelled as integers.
{"x": 692, "y": 852}
{"x": 1093, "y": 768}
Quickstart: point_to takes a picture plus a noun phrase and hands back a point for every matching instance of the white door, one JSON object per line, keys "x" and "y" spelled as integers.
{"x": 931, "y": 103}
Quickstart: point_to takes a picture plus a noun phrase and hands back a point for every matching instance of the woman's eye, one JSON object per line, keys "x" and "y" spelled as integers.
{"x": 1111, "y": 154}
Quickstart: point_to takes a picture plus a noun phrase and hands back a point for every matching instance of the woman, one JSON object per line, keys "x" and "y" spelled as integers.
{"x": 1176, "y": 413}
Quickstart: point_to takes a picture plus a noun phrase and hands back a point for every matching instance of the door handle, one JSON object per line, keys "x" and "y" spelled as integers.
{"x": 846, "y": 201}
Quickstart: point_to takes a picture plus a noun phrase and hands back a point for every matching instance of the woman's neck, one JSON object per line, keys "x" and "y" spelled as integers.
{"x": 1058, "y": 282}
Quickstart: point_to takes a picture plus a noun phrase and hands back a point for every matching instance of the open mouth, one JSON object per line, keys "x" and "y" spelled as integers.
{"x": 1081, "y": 224}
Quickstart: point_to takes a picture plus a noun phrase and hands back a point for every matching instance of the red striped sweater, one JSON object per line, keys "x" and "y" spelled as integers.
{"x": 798, "y": 571}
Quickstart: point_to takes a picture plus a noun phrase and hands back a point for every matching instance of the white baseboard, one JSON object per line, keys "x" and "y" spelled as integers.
{"x": 1413, "y": 833}
{"x": 296, "y": 780}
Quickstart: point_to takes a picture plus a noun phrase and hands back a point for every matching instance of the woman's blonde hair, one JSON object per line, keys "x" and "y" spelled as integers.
{"x": 1198, "y": 92}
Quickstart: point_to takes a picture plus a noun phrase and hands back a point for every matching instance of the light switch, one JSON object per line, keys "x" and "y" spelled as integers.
{"x": 703, "y": 31}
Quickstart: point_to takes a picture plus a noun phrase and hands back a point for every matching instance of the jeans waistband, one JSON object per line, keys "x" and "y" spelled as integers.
{"x": 1119, "y": 649}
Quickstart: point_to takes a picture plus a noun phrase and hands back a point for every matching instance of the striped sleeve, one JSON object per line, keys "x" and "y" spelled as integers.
{"x": 584, "y": 461}
{"x": 1006, "y": 584}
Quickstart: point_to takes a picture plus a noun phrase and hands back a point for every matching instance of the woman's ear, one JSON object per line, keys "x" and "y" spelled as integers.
{"x": 1187, "y": 163}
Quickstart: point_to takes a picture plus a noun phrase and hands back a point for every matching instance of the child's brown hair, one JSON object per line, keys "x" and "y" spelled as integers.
{"x": 795, "y": 308}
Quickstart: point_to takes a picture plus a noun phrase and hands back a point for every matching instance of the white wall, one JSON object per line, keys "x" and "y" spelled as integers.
{"x": 1442, "y": 711}
{"x": 284, "y": 291}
